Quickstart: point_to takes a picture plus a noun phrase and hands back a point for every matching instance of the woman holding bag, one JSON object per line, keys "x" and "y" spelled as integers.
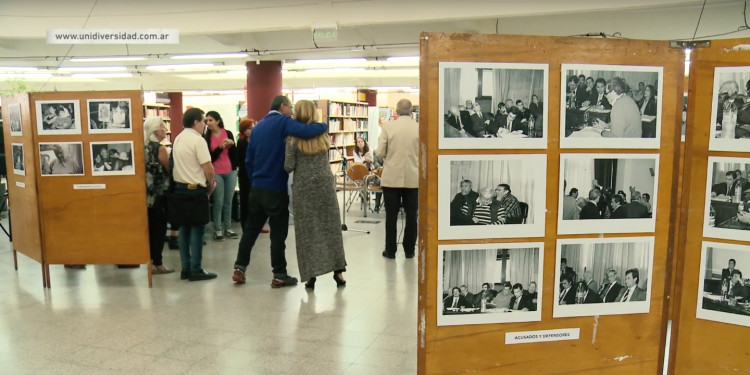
{"x": 157, "y": 183}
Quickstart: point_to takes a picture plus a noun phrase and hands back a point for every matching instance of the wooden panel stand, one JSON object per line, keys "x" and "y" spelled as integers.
{"x": 619, "y": 344}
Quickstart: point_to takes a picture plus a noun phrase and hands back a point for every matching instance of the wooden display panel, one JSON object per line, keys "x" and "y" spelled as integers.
{"x": 618, "y": 344}
{"x": 701, "y": 346}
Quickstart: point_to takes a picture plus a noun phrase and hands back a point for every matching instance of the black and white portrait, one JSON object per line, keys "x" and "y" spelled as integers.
{"x": 723, "y": 288}
{"x": 54, "y": 117}
{"x": 603, "y": 276}
{"x": 19, "y": 167}
{"x": 727, "y": 199}
{"x": 607, "y": 193}
{"x": 109, "y": 116}
{"x": 491, "y": 196}
{"x": 730, "y": 110}
{"x": 610, "y": 106}
{"x": 490, "y": 283}
{"x": 112, "y": 158}
{"x": 61, "y": 158}
{"x": 14, "y": 117}
{"x": 493, "y": 105}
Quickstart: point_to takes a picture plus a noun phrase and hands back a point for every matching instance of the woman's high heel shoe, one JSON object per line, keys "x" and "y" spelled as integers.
{"x": 339, "y": 279}
{"x": 310, "y": 284}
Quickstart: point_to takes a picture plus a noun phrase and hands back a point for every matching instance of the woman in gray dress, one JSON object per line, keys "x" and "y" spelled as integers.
{"x": 317, "y": 226}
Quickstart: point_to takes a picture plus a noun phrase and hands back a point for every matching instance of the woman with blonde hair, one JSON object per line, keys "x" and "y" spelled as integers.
{"x": 157, "y": 183}
{"x": 317, "y": 226}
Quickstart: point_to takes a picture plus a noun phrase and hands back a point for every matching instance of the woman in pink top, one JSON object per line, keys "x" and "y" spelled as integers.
{"x": 224, "y": 159}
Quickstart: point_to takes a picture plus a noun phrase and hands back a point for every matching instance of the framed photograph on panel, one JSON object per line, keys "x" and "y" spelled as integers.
{"x": 490, "y": 283}
{"x": 603, "y": 276}
{"x": 19, "y": 167}
{"x": 491, "y": 196}
{"x": 610, "y": 106}
{"x": 61, "y": 158}
{"x": 723, "y": 290}
{"x": 109, "y": 116}
{"x": 14, "y": 116}
{"x": 55, "y": 117}
{"x": 112, "y": 158}
{"x": 608, "y": 193}
{"x": 730, "y": 110}
{"x": 727, "y": 193}
{"x": 493, "y": 105}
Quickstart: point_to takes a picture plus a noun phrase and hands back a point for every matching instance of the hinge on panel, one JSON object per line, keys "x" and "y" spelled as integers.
{"x": 691, "y": 44}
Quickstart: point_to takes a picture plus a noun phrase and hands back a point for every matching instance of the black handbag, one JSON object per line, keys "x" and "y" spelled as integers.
{"x": 187, "y": 209}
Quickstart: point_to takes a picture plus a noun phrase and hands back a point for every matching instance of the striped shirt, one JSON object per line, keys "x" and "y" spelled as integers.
{"x": 484, "y": 216}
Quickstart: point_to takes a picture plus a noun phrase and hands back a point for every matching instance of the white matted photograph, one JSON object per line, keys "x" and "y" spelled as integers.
{"x": 608, "y": 193}
{"x": 112, "y": 158}
{"x": 730, "y": 109}
{"x": 54, "y": 117}
{"x": 723, "y": 289}
{"x": 490, "y": 283}
{"x": 19, "y": 166}
{"x": 61, "y": 158}
{"x": 603, "y": 276}
{"x": 109, "y": 116}
{"x": 610, "y": 106}
{"x": 491, "y": 196}
{"x": 727, "y": 199}
{"x": 493, "y": 105}
{"x": 14, "y": 117}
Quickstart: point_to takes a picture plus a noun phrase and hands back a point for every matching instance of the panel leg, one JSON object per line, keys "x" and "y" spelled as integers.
{"x": 15, "y": 260}
{"x": 150, "y": 267}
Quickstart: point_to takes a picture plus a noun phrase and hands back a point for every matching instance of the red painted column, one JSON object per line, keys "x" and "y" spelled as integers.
{"x": 263, "y": 84}
{"x": 175, "y": 113}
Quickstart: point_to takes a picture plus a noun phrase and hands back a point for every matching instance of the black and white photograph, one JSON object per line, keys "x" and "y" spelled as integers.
{"x": 109, "y": 116}
{"x": 723, "y": 289}
{"x": 608, "y": 193}
{"x": 727, "y": 208}
{"x": 55, "y": 117}
{"x": 61, "y": 158}
{"x": 19, "y": 167}
{"x": 490, "y": 283}
{"x": 603, "y": 276}
{"x": 493, "y": 105}
{"x": 730, "y": 109}
{"x": 610, "y": 106}
{"x": 14, "y": 117}
{"x": 491, "y": 196}
{"x": 112, "y": 158}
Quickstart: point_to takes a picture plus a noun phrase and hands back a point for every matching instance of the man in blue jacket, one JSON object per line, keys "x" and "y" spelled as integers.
{"x": 269, "y": 198}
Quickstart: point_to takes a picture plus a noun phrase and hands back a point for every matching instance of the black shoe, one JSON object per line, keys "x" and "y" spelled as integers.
{"x": 184, "y": 275}
{"x": 310, "y": 284}
{"x": 283, "y": 281}
{"x": 339, "y": 279}
{"x": 201, "y": 275}
{"x": 386, "y": 255}
{"x": 409, "y": 255}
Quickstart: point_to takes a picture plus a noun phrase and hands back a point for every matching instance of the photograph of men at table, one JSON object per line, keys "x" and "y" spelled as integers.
{"x": 729, "y": 195}
{"x": 725, "y": 287}
{"x": 490, "y": 102}
{"x": 732, "y": 106}
{"x": 490, "y": 281}
{"x": 610, "y": 104}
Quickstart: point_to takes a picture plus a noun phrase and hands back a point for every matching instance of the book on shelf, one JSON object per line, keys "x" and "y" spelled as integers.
{"x": 162, "y": 112}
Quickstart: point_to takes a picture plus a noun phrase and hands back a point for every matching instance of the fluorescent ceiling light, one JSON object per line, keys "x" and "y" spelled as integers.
{"x": 93, "y": 69}
{"x": 403, "y": 59}
{"x": 25, "y": 75}
{"x": 107, "y": 58}
{"x": 395, "y": 88}
{"x": 333, "y": 70}
{"x": 18, "y": 69}
{"x": 211, "y": 56}
{"x": 332, "y": 62}
{"x": 179, "y": 67}
{"x": 102, "y": 75}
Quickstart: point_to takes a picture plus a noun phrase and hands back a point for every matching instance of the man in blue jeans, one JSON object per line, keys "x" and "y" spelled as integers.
{"x": 269, "y": 198}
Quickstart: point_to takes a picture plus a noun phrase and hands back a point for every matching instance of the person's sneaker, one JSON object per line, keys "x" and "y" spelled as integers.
{"x": 201, "y": 275}
{"x": 218, "y": 236}
{"x": 284, "y": 281}
{"x": 238, "y": 276}
{"x": 231, "y": 234}
{"x": 388, "y": 256}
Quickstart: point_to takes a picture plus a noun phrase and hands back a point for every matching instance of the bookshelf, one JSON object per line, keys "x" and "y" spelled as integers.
{"x": 346, "y": 122}
{"x": 163, "y": 111}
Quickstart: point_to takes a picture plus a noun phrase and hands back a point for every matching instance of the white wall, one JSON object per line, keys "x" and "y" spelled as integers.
{"x": 720, "y": 259}
{"x": 635, "y": 173}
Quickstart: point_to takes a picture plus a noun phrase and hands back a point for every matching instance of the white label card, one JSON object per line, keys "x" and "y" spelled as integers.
{"x": 20, "y": 184}
{"x": 89, "y": 186}
{"x": 542, "y": 336}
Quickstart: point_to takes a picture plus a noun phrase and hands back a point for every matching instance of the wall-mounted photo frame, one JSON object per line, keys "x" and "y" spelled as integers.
{"x": 491, "y": 196}
{"x": 723, "y": 289}
{"x": 61, "y": 158}
{"x": 57, "y": 117}
{"x": 112, "y": 158}
{"x": 14, "y": 118}
{"x": 19, "y": 164}
{"x": 490, "y": 283}
{"x": 603, "y": 276}
{"x": 726, "y": 214}
{"x": 730, "y": 110}
{"x": 107, "y": 116}
{"x": 610, "y": 106}
{"x": 493, "y": 105}
{"x": 608, "y": 193}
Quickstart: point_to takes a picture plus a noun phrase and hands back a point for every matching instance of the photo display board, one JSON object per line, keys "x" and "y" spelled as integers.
{"x": 515, "y": 201}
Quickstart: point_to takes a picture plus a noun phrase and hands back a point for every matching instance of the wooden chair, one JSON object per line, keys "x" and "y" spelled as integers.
{"x": 356, "y": 172}
{"x": 372, "y": 185}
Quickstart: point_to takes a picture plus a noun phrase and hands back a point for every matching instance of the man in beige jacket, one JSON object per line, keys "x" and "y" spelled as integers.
{"x": 398, "y": 144}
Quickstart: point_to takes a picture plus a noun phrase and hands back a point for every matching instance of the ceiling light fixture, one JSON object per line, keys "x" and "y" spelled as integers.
{"x": 332, "y": 62}
{"x": 107, "y": 58}
{"x": 179, "y": 67}
{"x": 25, "y": 75}
{"x": 403, "y": 59}
{"x": 18, "y": 69}
{"x": 101, "y": 75}
{"x": 236, "y": 55}
{"x": 93, "y": 69}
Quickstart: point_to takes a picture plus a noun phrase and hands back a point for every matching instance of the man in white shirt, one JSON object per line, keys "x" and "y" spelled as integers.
{"x": 193, "y": 174}
{"x": 631, "y": 292}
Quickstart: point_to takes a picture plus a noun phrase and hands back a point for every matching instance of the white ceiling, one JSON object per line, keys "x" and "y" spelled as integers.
{"x": 281, "y": 29}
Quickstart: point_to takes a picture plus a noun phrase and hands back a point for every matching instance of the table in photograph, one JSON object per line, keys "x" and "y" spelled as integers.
{"x": 714, "y": 302}
{"x": 478, "y": 311}
{"x": 579, "y": 122}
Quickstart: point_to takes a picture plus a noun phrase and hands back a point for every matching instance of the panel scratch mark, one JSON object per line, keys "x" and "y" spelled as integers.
{"x": 596, "y": 325}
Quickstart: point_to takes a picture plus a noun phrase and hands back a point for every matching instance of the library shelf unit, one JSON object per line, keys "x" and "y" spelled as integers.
{"x": 346, "y": 122}
{"x": 163, "y": 111}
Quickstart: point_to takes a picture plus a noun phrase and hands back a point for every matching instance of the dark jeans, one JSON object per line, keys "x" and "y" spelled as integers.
{"x": 272, "y": 205}
{"x": 244, "y": 197}
{"x": 394, "y": 198}
{"x": 191, "y": 239}
{"x": 157, "y": 229}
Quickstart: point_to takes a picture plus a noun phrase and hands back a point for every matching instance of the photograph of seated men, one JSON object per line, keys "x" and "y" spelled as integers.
{"x": 730, "y": 194}
{"x": 724, "y": 293}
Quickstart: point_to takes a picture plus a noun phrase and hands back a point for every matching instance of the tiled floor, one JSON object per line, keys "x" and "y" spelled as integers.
{"x": 105, "y": 320}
